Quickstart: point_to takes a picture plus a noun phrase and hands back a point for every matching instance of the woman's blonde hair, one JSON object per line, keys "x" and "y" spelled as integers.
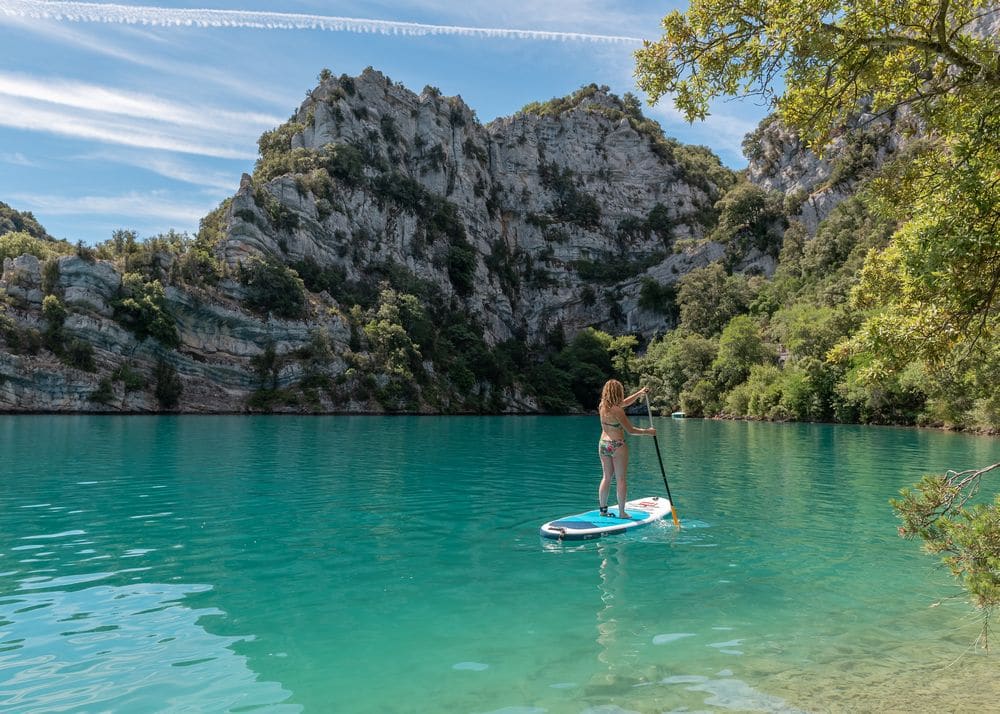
{"x": 612, "y": 395}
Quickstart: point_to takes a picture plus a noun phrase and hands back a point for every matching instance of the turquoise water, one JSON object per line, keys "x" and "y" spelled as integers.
{"x": 365, "y": 564}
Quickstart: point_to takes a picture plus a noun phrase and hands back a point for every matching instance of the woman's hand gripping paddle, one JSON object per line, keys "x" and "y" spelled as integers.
{"x": 673, "y": 505}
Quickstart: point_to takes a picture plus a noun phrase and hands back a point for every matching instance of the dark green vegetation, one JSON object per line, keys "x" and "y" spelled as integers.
{"x": 761, "y": 348}
{"x": 918, "y": 337}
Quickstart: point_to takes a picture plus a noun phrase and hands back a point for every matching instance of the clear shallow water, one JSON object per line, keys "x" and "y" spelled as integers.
{"x": 363, "y": 564}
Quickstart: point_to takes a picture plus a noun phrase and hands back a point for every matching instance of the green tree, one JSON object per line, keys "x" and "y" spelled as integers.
{"x": 587, "y": 362}
{"x": 809, "y": 330}
{"x": 16, "y": 221}
{"x": 17, "y": 243}
{"x": 391, "y": 345}
{"x": 54, "y": 313}
{"x": 659, "y": 297}
{"x": 932, "y": 298}
{"x": 964, "y": 535}
{"x": 819, "y": 63}
{"x": 673, "y": 365}
{"x": 273, "y": 288}
{"x": 750, "y": 218}
{"x": 741, "y": 346}
{"x": 141, "y": 307}
{"x": 168, "y": 387}
{"x": 844, "y": 238}
{"x": 709, "y": 298}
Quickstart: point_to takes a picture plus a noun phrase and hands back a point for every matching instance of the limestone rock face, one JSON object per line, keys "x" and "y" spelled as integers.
{"x": 814, "y": 185}
{"x": 545, "y": 201}
{"x": 551, "y": 219}
{"x": 218, "y": 342}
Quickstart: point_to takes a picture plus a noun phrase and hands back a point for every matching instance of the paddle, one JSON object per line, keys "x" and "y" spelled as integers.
{"x": 673, "y": 505}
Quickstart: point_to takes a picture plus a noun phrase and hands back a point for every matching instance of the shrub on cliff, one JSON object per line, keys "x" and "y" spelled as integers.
{"x": 709, "y": 299}
{"x": 658, "y": 297}
{"x": 73, "y": 351}
{"x": 141, "y": 308}
{"x": 572, "y": 204}
{"x": 276, "y": 156}
{"x": 17, "y": 243}
{"x": 80, "y": 354}
{"x": 462, "y": 266}
{"x": 750, "y": 218}
{"x": 168, "y": 386}
{"x": 273, "y": 288}
{"x": 12, "y": 220}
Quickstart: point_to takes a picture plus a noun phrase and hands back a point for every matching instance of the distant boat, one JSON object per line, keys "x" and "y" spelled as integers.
{"x": 678, "y": 415}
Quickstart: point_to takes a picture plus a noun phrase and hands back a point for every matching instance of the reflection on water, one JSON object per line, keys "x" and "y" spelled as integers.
{"x": 371, "y": 565}
{"x": 621, "y": 668}
{"x": 120, "y": 648}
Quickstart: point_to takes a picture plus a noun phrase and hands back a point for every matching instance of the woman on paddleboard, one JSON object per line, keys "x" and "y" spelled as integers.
{"x": 612, "y": 447}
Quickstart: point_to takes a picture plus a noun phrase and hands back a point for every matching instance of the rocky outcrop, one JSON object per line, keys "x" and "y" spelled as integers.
{"x": 546, "y": 200}
{"x": 218, "y": 342}
{"x": 813, "y": 185}
{"x": 544, "y": 222}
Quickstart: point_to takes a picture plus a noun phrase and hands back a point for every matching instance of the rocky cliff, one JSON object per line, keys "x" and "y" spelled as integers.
{"x": 547, "y": 200}
{"x": 812, "y": 184}
{"x": 388, "y": 252}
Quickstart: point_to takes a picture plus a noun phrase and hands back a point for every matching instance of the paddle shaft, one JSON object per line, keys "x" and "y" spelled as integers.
{"x": 663, "y": 471}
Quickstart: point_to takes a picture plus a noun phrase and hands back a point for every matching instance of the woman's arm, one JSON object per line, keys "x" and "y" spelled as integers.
{"x": 631, "y": 399}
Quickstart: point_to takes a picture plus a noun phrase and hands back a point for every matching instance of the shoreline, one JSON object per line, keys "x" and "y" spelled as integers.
{"x": 988, "y": 432}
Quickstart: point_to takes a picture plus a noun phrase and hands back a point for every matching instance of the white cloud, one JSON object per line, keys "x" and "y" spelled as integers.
{"x": 109, "y": 115}
{"x": 92, "y": 97}
{"x": 153, "y": 205}
{"x": 219, "y": 183}
{"x": 58, "y": 32}
{"x": 180, "y": 17}
{"x": 31, "y": 116}
{"x": 727, "y": 131}
{"x": 17, "y": 159}
{"x": 722, "y": 132}
{"x": 612, "y": 17}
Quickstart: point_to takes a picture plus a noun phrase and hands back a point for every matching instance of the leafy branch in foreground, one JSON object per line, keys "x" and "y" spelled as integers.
{"x": 830, "y": 57}
{"x": 966, "y": 538}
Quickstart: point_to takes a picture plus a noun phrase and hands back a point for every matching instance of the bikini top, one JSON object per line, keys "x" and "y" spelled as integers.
{"x": 613, "y": 425}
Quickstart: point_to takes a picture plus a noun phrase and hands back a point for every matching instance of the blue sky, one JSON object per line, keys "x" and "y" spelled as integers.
{"x": 144, "y": 116}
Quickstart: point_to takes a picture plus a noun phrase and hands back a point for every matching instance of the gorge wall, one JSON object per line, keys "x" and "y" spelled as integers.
{"x": 375, "y": 208}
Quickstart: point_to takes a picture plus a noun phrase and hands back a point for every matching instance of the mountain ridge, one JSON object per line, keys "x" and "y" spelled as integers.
{"x": 295, "y": 295}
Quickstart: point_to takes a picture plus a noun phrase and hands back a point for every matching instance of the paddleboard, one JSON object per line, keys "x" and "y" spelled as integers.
{"x": 589, "y": 525}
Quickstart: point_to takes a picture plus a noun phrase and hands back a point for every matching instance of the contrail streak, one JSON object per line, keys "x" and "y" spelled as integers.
{"x": 184, "y": 17}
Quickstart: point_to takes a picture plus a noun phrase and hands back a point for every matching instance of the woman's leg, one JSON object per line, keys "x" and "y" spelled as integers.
{"x": 607, "y": 465}
{"x": 620, "y": 466}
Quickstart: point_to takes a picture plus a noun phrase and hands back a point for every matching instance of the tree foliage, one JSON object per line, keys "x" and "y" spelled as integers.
{"x": 13, "y": 221}
{"x": 17, "y": 243}
{"x": 142, "y": 307}
{"x": 272, "y": 287}
{"x": 750, "y": 218}
{"x": 709, "y": 298}
{"x": 964, "y": 534}
{"x": 818, "y": 62}
{"x": 928, "y": 304}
